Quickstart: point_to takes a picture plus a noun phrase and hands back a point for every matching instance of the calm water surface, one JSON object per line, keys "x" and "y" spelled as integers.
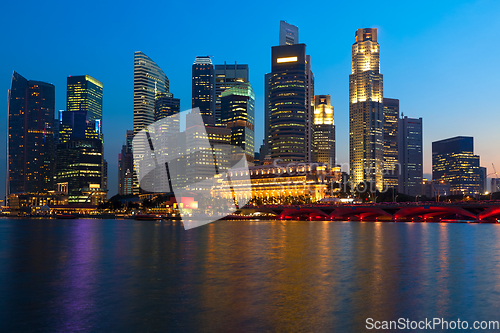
{"x": 228, "y": 276}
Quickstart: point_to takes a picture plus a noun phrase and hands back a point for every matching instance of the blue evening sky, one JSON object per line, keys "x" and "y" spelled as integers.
{"x": 440, "y": 58}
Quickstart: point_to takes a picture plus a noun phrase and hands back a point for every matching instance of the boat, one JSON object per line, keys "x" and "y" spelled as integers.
{"x": 147, "y": 217}
{"x": 66, "y": 216}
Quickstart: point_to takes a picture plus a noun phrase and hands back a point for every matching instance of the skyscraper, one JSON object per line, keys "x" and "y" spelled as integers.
{"x": 453, "y": 161}
{"x": 203, "y": 88}
{"x": 126, "y": 166}
{"x": 366, "y": 114}
{"x": 289, "y": 34}
{"x": 410, "y": 156}
{"x": 84, "y": 94}
{"x": 166, "y": 105}
{"x": 238, "y": 114}
{"x": 30, "y": 148}
{"x": 290, "y": 104}
{"x": 324, "y": 131}
{"x": 227, "y": 76}
{"x": 391, "y": 121}
{"x": 149, "y": 80}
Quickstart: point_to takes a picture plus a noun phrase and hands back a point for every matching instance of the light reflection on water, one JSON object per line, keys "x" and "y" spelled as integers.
{"x": 125, "y": 275}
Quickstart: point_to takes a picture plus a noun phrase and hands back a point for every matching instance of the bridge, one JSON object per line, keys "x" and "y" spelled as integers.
{"x": 487, "y": 212}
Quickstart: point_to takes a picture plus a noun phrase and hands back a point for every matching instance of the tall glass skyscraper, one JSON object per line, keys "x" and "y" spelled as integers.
{"x": 391, "y": 121}
{"x": 30, "y": 147}
{"x": 227, "y": 76}
{"x": 149, "y": 80}
{"x": 291, "y": 92}
{"x": 453, "y": 161}
{"x": 84, "y": 94}
{"x": 203, "y": 88}
{"x": 238, "y": 114}
{"x": 323, "y": 131}
{"x": 366, "y": 116}
{"x": 410, "y": 156}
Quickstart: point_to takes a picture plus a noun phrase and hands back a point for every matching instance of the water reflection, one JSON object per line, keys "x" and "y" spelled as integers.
{"x": 99, "y": 275}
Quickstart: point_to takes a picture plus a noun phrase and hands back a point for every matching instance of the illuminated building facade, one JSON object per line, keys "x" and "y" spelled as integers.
{"x": 291, "y": 99}
{"x": 80, "y": 170}
{"x": 166, "y": 105}
{"x": 453, "y": 161}
{"x": 149, "y": 80}
{"x": 238, "y": 114}
{"x": 30, "y": 146}
{"x": 324, "y": 131}
{"x": 391, "y": 123}
{"x": 289, "y": 34}
{"x": 226, "y": 77}
{"x": 366, "y": 115}
{"x": 126, "y": 167}
{"x": 309, "y": 180}
{"x": 410, "y": 156}
{"x": 495, "y": 185}
{"x": 84, "y": 94}
{"x": 203, "y": 88}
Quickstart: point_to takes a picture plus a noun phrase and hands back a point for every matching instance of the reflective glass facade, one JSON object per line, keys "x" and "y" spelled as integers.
{"x": 203, "y": 88}
{"x": 391, "y": 120}
{"x": 323, "y": 131}
{"x": 453, "y": 161}
{"x": 227, "y": 76}
{"x": 30, "y": 136}
{"x": 410, "y": 156}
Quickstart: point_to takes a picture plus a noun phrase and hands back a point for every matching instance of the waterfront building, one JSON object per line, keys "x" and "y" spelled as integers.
{"x": 391, "y": 140}
{"x": 483, "y": 178}
{"x": 80, "y": 171}
{"x": 269, "y": 182}
{"x": 410, "y": 156}
{"x": 366, "y": 115}
{"x": 495, "y": 185}
{"x": 324, "y": 131}
{"x": 149, "y": 80}
{"x": 238, "y": 115}
{"x": 203, "y": 88}
{"x": 30, "y": 146}
{"x": 453, "y": 161}
{"x": 226, "y": 77}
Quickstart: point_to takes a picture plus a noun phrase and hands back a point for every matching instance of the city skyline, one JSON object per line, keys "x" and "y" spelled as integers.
{"x": 419, "y": 94}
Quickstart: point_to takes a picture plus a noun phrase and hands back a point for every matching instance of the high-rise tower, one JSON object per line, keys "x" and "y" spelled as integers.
{"x": 30, "y": 149}
{"x": 149, "y": 80}
{"x": 366, "y": 114}
{"x": 226, "y": 77}
{"x": 290, "y": 92}
{"x": 203, "y": 88}
{"x": 289, "y": 34}
{"x": 323, "y": 131}
{"x": 84, "y": 94}
{"x": 410, "y": 156}
{"x": 391, "y": 121}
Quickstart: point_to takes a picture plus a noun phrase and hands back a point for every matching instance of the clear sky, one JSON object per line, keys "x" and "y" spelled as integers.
{"x": 439, "y": 58}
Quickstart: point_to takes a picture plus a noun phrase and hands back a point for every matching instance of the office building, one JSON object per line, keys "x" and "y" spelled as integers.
{"x": 495, "y": 185}
{"x": 30, "y": 146}
{"x": 391, "y": 122}
{"x": 84, "y": 94}
{"x": 435, "y": 189}
{"x": 203, "y": 88}
{"x": 264, "y": 149}
{"x": 166, "y": 105}
{"x": 366, "y": 116}
{"x": 80, "y": 171}
{"x": 149, "y": 80}
{"x": 410, "y": 156}
{"x": 483, "y": 178}
{"x": 291, "y": 91}
{"x": 126, "y": 166}
{"x": 289, "y": 34}
{"x": 226, "y": 77}
{"x": 453, "y": 161}
{"x": 238, "y": 115}
{"x": 324, "y": 131}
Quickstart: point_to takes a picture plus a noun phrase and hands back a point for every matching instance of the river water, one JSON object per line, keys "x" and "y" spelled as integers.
{"x": 242, "y": 276}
